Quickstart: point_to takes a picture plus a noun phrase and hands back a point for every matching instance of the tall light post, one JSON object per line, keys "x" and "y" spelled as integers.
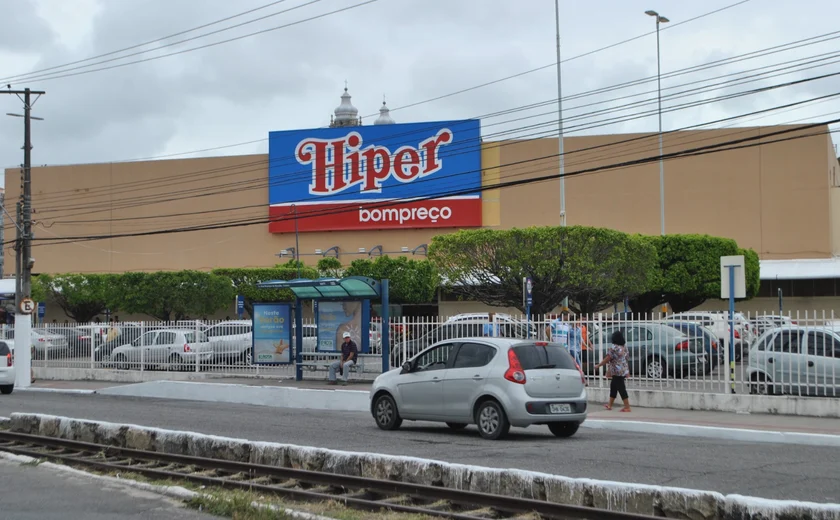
{"x": 660, "y": 20}
{"x": 560, "y": 119}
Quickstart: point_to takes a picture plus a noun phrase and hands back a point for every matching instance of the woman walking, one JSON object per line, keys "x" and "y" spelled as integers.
{"x": 617, "y": 370}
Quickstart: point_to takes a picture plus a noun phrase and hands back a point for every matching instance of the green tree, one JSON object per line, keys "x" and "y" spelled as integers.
{"x": 608, "y": 266}
{"x": 689, "y": 271}
{"x": 174, "y": 295}
{"x": 82, "y": 297}
{"x": 752, "y": 272}
{"x": 593, "y": 265}
{"x": 330, "y": 267}
{"x": 245, "y": 280}
{"x": 411, "y": 281}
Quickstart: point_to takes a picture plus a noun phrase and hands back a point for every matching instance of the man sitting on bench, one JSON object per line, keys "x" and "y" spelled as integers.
{"x": 349, "y": 353}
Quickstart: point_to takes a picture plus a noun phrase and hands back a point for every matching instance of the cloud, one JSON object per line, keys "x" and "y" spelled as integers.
{"x": 409, "y": 51}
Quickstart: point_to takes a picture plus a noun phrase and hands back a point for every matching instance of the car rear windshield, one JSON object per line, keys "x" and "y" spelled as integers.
{"x": 4, "y": 349}
{"x": 535, "y": 357}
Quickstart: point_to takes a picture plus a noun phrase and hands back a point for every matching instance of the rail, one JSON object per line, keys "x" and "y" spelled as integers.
{"x": 301, "y": 485}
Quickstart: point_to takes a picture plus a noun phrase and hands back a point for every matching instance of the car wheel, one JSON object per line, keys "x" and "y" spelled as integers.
{"x": 6, "y": 389}
{"x": 492, "y": 421}
{"x": 121, "y": 362}
{"x": 175, "y": 362}
{"x": 386, "y": 414}
{"x": 563, "y": 429}
{"x": 456, "y": 426}
{"x": 655, "y": 368}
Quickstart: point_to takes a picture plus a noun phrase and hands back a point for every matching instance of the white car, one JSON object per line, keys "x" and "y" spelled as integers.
{"x": 512, "y": 327}
{"x": 231, "y": 341}
{"x": 169, "y": 348}
{"x": 7, "y": 368}
{"x": 50, "y": 346}
{"x": 494, "y": 383}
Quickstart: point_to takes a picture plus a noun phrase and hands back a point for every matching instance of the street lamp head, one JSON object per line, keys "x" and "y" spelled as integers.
{"x": 651, "y": 13}
{"x": 662, "y": 19}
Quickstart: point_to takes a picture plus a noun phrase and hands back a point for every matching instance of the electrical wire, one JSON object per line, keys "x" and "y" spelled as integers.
{"x": 725, "y": 146}
{"x": 203, "y": 191}
{"x": 475, "y": 87}
{"x": 25, "y": 76}
{"x": 727, "y": 61}
{"x": 60, "y": 75}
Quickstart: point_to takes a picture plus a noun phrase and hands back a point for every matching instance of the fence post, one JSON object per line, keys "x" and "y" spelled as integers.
{"x": 197, "y": 352}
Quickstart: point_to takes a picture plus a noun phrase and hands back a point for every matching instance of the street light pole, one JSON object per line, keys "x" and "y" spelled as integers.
{"x": 659, "y": 20}
{"x": 560, "y": 119}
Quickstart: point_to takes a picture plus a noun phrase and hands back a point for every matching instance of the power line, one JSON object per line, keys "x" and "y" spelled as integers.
{"x": 59, "y": 75}
{"x": 132, "y": 185}
{"x": 209, "y": 190}
{"x": 23, "y": 77}
{"x": 589, "y": 53}
{"x": 731, "y": 145}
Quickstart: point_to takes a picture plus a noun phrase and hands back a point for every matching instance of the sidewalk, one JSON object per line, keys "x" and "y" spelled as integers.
{"x": 317, "y": 395}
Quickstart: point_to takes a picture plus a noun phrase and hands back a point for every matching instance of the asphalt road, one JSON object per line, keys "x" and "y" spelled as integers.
{"x": 41, "y": 493}
{"x": 764, "y": 470}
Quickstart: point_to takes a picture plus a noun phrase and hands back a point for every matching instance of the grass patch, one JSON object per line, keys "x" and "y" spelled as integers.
{"x": 33, "y": 463}
{"x": 236, "y": 505}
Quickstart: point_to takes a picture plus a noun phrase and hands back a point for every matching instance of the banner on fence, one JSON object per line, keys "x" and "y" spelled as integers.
{"x": 272, "y": 333}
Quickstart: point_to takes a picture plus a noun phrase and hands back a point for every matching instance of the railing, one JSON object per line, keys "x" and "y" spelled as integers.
{"x": 688, "y": 352}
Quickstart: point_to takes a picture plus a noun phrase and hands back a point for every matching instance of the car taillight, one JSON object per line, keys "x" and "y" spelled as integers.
{"x": 580, "y": 371}
{"x": 541, "y": 343}
{"x": 737, "y": 334}
{"x": 9, "y": 359}
{"x": 186, "y": 347}
{"x": 714, "y": 345}
{"x": 41, "y": 340}
{"x": 683, "y": 346}
{"x": 514, "y": 373}
{"x": 84, "y": 337}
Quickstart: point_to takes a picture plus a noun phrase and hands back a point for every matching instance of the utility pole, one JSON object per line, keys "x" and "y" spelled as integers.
{"x": 23, "y": 243}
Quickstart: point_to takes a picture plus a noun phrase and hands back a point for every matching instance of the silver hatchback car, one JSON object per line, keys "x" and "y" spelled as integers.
{"x": 494, "y": 383}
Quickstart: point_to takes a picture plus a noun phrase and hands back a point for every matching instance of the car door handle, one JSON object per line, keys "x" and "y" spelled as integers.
{"x": 810, "y": 363}
{"x": 436, "y": 379}
{"x": 770, "y": 360}
{"x": 477, "y": 378}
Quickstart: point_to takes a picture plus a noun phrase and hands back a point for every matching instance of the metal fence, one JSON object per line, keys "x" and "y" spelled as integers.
{"x": 796, "y": 353}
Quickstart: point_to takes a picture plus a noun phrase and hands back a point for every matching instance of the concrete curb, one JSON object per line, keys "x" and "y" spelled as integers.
{"x": 716, "y": 432}
{"x": 644, "y": 398}
{"x": 636, "y": 498}
{"x": 174, "y": 492}
{"x": 57, "y": 390}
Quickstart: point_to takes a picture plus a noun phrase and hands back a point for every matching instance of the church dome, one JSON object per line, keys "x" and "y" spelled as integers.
{"x": 346, "y": 114}
{"x": 384, "y": 116}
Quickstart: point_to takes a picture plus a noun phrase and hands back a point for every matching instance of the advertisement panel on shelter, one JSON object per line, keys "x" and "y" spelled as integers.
{"x": 406, "y": 176}
{"x": 272, "y": 333}
{"x": 337, "y": 317}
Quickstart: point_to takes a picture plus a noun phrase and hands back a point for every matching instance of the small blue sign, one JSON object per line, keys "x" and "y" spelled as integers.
{"x": 240, "y": 305}
{"x": 529, "y": 291}
{"x": 42, "y": 310}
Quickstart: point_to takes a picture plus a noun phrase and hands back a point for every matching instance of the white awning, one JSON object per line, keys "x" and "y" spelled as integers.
{"x": 805, "y": 269}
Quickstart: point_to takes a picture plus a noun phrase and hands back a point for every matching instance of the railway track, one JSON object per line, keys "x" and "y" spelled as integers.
{"x": 300, "y": 485}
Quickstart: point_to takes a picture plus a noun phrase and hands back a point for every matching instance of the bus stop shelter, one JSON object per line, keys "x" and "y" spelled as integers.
{"x": 353, "y": 288}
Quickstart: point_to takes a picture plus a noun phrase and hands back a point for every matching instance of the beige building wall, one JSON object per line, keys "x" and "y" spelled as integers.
{"x": 775, "y": 198}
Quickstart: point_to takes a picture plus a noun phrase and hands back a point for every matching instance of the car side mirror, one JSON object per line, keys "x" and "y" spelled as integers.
{"x": 406, "y": 368}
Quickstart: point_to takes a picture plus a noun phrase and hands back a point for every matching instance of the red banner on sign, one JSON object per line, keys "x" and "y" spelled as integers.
{"x": 347, "y": 216}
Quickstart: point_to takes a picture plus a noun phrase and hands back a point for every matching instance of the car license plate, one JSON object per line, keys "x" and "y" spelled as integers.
{"x": 560, "y": 408}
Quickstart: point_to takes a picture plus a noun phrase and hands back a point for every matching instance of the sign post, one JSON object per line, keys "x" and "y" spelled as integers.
{"x": 528, "y": 299}
{"x": 240, "y": 306}
{"x": 780, "y": 301}
{"x": 732, "y": 285}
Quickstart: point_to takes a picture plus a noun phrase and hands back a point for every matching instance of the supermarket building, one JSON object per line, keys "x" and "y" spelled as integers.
{"x": 776, "y": 191}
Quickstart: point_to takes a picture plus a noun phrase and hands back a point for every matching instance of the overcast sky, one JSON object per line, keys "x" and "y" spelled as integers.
{"x": 408, "y": 50}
